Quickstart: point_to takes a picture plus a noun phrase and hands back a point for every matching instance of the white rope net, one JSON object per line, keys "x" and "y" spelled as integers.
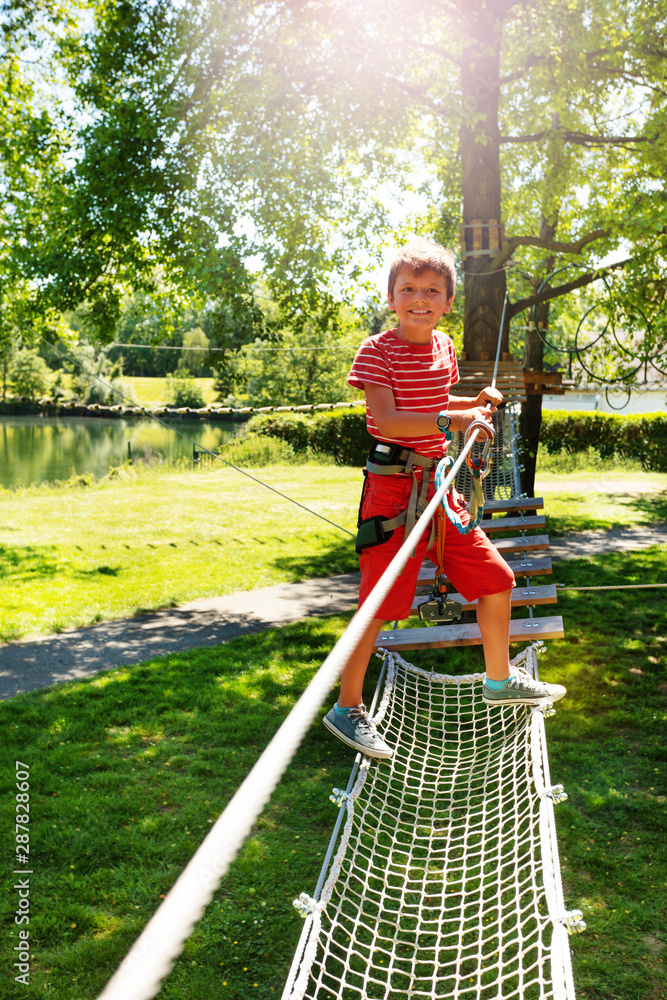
{"x": 446, "y": 882}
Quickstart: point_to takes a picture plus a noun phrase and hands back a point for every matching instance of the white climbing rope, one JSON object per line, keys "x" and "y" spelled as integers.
{"x": 446, "y": 882}
{"x": 151, "y": 957}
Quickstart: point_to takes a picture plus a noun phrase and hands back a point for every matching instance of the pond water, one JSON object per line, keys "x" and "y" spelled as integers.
{"x": 41, "y": 449}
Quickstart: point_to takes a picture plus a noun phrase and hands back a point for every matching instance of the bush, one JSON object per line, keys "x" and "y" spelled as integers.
{"x": 182, "y": 390}
{"x": 258, "y": 451}
{"x": 341, "y": 433}
{"x": 123, "y": 392}
{"x": 642, "y": 437}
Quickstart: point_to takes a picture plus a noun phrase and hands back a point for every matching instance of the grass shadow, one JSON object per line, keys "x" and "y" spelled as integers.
{"x": 333, "y": 558}
{"x": 604, "y": 512}
{"x": 28, "y": 562}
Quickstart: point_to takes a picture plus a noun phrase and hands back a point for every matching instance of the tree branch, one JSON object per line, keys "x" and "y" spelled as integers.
{"x": 530, "y": 137}
{"x": 556, "y": 246}
{"x": 578, "y": 138}
{"x": 570, "y": 286}
{"x": 581, "y": 139}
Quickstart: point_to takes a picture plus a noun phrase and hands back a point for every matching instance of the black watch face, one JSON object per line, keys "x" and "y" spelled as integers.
{"x": 443, "y": 422}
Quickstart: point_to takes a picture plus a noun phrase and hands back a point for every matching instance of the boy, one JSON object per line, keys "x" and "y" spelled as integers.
{"x": 406, "y": 374}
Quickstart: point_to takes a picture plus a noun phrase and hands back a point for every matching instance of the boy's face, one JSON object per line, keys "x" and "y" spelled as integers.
{"x": 420, "y": 300}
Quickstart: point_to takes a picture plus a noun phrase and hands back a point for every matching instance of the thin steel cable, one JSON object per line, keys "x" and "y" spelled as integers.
{"x": 201, "y": 448}
{"x": 218, "y": 350}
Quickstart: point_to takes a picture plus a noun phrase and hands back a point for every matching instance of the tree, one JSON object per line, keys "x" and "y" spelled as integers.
{"x": 29, "y": 374}
{"x": 548, "y": 116}
{"x": 195, "y": 346}
{"x": 213, "y": 132}
{"x": 309, "y": 368}
{"x": 92, "y": 373}
{"x": 33, "y": 139}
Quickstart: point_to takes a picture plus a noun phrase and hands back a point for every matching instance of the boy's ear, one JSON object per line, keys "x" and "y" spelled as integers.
{"x": 392, "y": 304}
{"x": 449, "y": 303}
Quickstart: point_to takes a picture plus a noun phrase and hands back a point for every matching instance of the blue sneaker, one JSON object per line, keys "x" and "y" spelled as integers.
{"x": 357, "y": 729}
{"x": 522, "y": 689}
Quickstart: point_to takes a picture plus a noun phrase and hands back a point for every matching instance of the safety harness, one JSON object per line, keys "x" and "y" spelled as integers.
{"x": 386, "y": 459}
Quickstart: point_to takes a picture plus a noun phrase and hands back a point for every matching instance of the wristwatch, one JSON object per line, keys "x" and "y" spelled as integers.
{"x": 444, "y": 421}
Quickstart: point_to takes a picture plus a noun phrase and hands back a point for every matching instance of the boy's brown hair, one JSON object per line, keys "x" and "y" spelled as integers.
{"x": 424, "y": 255}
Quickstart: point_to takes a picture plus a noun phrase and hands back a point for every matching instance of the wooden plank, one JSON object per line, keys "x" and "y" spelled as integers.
{"x": 543, "y": 378}
{"x": 488, "y": 524}
{"x": 524, "y": 503}
{"x": 542, "y": 390}
{"x": 522, "y": 597}
{"x": 511, "y": 395}
{"x": 529, "y": 544}
{"x": 524, "y": 566}
{"x": 443, "y": 636}
{"x": 530, "y": 566}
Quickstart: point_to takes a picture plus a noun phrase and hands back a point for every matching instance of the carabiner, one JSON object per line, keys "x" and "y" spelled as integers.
{"x": 490, "y": 437}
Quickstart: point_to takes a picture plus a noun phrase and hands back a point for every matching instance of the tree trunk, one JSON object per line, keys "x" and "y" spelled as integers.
{"x": 530, "y": 419}
{"x": 480, "y": 167}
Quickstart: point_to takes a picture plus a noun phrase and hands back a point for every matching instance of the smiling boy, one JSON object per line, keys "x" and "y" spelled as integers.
{"x": 406, "y": 374}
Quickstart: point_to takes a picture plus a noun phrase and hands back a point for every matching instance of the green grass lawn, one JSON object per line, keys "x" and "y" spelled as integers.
{"x": 576, "y": 511}
{"x": 157, "y": 538}
{"x": 150, "y": 538}
{"x": 128, "y": 770}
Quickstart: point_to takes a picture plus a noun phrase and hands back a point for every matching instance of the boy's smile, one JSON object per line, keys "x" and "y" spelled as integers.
{"x": 420, "y": 301}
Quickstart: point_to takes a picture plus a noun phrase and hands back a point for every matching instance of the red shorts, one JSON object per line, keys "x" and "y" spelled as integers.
{"x": 471, "y": 562}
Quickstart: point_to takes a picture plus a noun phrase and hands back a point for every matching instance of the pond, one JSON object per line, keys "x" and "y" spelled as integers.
{"x": 41, "y": 449}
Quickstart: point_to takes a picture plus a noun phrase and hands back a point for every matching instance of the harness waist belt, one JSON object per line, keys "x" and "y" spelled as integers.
{"x": 385, "y": 459}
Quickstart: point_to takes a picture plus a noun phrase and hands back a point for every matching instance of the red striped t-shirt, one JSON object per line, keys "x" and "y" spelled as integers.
{"x": 419, "y": 375}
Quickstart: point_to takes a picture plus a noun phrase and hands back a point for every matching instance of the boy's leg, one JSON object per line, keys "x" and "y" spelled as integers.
{"x": 505, "y": 685}
{"x": 493, "y": 618}
{"x": 348, "y": 719}
{"x": 386, "y": 496}
{"x": 480, "y": 573}
{"x": 352, "y": 678}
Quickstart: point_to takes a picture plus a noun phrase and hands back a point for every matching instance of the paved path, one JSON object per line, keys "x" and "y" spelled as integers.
{"x": 595, "y": 543}
{"x": 38, "y": 663}
{"x": 25, "y": 666}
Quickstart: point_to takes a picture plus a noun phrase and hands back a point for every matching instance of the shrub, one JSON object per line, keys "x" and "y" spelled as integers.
{"x": 123, "y": 392}
{"x": 643, "y": 437}
{"x": 257, "y": 451}
{"x": 182, "y": 390}
{"x": 341, "y": 433}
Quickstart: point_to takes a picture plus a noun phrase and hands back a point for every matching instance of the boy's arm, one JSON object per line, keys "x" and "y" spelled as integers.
{"x": 393, "y": 423}
{"x": 488, "y": 395}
